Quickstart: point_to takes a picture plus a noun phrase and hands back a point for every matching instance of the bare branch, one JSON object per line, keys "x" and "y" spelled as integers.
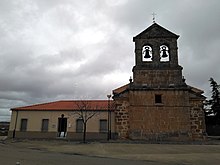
{"x": 90, "y": 116}
{"x": 85, "y": 111}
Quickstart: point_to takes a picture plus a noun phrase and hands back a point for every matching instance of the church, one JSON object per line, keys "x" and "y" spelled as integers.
{"x": 156, "y": 105}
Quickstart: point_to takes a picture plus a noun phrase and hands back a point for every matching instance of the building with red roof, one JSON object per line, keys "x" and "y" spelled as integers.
{"x": 64, "y": 119}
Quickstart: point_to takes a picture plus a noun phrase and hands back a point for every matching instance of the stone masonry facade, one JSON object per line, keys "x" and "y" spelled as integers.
{"x": 122, "y": 119}
{"x": 197, "y": 120}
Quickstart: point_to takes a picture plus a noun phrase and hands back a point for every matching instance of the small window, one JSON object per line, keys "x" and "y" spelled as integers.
{"x": 79, "y": 125}
{"x": 103, "y": 126}
{"x": 45, "y": 124}
{"x": 23, "y": 125}
{"x": 158, "y": 98}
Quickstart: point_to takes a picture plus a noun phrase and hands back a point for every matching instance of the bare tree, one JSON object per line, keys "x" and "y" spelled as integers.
{"x": 85, "y": 112}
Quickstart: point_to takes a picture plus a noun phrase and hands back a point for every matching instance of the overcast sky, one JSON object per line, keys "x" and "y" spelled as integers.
{"x": 74, "y": 49}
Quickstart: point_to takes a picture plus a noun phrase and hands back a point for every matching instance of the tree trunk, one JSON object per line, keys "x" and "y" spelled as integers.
{"x": 84, "y": 133}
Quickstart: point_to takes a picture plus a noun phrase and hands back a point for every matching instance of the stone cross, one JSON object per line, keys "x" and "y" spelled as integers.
{"x": 154, "y": 14}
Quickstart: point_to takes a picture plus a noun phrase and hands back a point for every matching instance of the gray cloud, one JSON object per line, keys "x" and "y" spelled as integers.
{"x": 53, "y": 50}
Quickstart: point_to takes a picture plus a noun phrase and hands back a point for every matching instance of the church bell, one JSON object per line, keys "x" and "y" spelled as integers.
{"x": 164, "y": 52}
{"x": 147, "y": 53}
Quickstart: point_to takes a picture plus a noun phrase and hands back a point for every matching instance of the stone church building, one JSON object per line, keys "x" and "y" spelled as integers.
{"x": 158, "y": 104}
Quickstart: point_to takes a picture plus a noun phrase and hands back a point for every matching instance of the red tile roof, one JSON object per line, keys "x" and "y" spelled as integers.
{"x": 121, "y": 89}
{"x": 68, "y": 105}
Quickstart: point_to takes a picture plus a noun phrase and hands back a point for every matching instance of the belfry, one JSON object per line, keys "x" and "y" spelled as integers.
{"x": 158, "y": 104}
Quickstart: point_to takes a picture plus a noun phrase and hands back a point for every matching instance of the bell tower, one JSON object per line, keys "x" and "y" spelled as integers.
{"x": 156, "y": 58}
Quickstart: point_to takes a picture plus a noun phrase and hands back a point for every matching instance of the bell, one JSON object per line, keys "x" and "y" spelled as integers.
{"x": 147, "y": 53}
{"x": 164, "y": 52}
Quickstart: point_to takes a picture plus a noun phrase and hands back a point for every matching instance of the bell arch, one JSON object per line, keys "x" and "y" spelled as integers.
{"x": 147, "y": 53}
{"x": 164, "y": 52}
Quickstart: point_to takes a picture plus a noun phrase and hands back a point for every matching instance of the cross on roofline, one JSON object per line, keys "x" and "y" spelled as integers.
{"x": 154, "y": 14}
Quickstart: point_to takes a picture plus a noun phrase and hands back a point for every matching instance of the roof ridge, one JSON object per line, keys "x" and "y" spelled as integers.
{"x": 37, "y": 104}
{"x": 66, "y": 104}
{"x": 81, "y": 100}
{"x": 155, "y": 25}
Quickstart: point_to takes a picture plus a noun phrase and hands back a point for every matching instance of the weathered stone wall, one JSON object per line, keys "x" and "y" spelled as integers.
{"x": 177, "y": 118}
{"x": 159, "y": 124}
{"x": 155, "y": 78}
{"x": 122, "y": 117}
{"x": 197, "y": 118}
{"x": 169, "y": 120}
{"x": 139, "y": 117}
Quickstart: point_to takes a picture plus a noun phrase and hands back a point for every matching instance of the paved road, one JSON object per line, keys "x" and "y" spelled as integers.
{"x": 10, "y": 154}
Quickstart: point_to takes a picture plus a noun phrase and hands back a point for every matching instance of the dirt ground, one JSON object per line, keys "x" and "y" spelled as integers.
{"x": 57, "y": 152}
